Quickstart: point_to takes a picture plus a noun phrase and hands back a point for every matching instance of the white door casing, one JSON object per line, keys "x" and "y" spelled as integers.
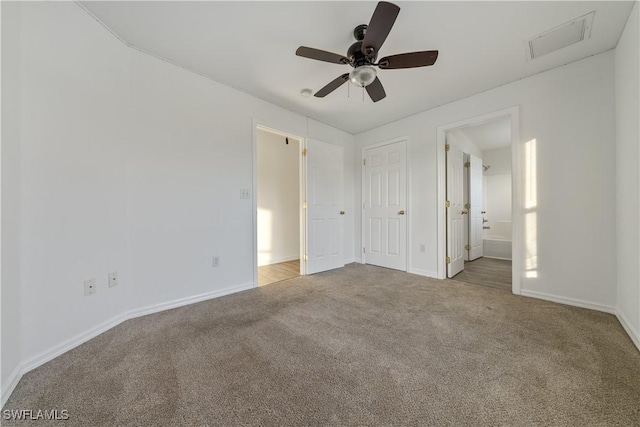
{"x": 385, "y": 204}
{"x": 324, "y": 206}
{"x": 455, "y": 210}
{"x": 475, "y": 209}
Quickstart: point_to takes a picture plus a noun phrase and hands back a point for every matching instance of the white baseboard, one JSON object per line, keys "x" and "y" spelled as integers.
{"x": 83, "y": 337}
{"x": 629, "y": 329}
{"x": 155, "y": 308}
{"x": 349, "y": 261}
{"x": 568, "y": 301}
{"x": 496, "y": 257}
{"x": 426, "y": 273}
{"x": 11, "y": 384}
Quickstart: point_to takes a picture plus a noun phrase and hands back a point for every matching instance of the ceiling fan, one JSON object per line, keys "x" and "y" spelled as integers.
{"x": 363, "y": 53}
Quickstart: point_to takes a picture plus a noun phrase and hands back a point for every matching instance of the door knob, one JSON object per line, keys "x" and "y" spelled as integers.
{"x": 483, "y": 212}
{"x": 401, "y": 213}
{"x": 341, "y": 212}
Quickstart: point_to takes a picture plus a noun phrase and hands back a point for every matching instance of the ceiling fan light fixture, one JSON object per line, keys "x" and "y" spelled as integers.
{"x": 363, "y": 76}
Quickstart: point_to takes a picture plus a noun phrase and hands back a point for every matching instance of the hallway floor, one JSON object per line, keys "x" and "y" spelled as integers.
{"x": 495, "y": 273}
{"x": 273, "y": 273}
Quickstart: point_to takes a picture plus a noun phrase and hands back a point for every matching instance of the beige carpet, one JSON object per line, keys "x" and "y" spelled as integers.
{"x": 357, "y": 346}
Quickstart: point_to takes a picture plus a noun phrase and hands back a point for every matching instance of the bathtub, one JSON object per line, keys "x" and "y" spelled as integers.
{"x": 497, "y": 239}
{"x": 496, "y": 247}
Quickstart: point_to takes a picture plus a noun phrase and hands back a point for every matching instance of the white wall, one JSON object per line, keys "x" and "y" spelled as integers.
{"x": 628, "y": 180}
{"x": 11, "y": 113}
{"x": 497, "y": 193}
{"x": 278, "y": 195}
{"x": 569, "y": 111}
{"x": 73, "y": 154}
{"x": 128, "y": 164}
{"x": 459, "y": 139}
{"x": 499, "y": 159}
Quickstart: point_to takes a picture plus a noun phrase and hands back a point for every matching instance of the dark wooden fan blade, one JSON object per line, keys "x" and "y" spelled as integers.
{"x": 321, "y": 55}
{"x": 379, "y": 27}
{"x": 335, "y": 84}
{"x": 376, "y": 91}
{"x": 409, "y": 60}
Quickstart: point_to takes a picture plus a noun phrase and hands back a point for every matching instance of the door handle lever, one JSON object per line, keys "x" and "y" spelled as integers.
{"x": 401, "y": 213}
{"x": 341, "y": 212}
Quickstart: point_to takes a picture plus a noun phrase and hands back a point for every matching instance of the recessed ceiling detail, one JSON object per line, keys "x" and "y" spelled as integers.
{"x": 562, "y": 36}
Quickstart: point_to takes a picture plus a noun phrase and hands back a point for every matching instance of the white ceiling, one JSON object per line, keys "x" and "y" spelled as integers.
{"x": 491, "y": 135}
{"x": 251, "y": 46}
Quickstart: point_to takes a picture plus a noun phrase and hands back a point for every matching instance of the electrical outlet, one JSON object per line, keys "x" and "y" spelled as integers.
{"x": 215, "y": 261}
{"x": 89, "y": 287}
{"x": 245, "y": 194}
{"x": 113, "y": 279}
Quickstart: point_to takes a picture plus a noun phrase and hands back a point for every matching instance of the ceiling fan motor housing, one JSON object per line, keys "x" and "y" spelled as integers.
{"x": 354, "y": 53}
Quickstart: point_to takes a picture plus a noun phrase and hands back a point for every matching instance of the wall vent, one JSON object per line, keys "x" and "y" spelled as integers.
{"x": 564, "y": 35}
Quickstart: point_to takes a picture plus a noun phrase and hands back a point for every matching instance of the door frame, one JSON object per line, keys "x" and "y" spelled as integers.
{"x": 516, "y": 190}
{"x": 302, "y": 170}
{"x": 408, "y": 196}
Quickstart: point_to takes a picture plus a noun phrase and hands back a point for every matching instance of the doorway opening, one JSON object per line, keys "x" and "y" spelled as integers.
{"x": 280, "y": 242}
{"x": 479, "y": 195}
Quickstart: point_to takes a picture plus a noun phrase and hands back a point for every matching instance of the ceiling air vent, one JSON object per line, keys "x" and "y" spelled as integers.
{"x": 562, "y": 36}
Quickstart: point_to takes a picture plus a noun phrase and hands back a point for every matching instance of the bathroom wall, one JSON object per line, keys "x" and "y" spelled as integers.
{"x": 497, "y": 193}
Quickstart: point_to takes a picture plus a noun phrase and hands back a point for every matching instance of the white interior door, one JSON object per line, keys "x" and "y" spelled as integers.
{"x": 455, "y": 210}
{"x": 324, "y": 207}
{"x": 476, "y": 203}
{"x": 385, "y": 200}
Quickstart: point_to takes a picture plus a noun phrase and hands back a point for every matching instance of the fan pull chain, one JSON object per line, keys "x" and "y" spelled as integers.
{"x": 363, "y": 94}
{"x": 348, "y": 90}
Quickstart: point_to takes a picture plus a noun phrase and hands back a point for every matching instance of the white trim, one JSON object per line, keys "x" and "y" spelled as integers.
{"x": 405, "y": 139}
{"x": 85, "y": 336}
{"x": 426, "y": 273}
{"x": 155, "y": 308}
{"x": 569, "y": 301}
{"x": 350, "y": 261}
{"x": 11, "y": 384}
{"x": 630, "y": 330}
{"x": 495, "y": 257}
{"x": 516, "y": 248}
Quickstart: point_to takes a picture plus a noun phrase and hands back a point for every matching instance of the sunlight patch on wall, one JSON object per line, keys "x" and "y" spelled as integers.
{"x": 530, "y": 209}
{"x": 265, "y": 236}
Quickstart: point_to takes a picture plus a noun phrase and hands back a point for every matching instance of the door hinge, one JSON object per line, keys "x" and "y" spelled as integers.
{"x": 364, "y": 250}
{"x": 446, "y": 147}
{"x": 447, "y": 204}
{"x": 304, "y": 151}
{"x": 364, "y": 162}
{"x": 304, "y": 258}
{"x": 448, "y": 260}
{"x": 467, "y": 247}
{"x": 304, "y": 205}
{"x": 467, "y": 205}
{"x": 467, "y": 165}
